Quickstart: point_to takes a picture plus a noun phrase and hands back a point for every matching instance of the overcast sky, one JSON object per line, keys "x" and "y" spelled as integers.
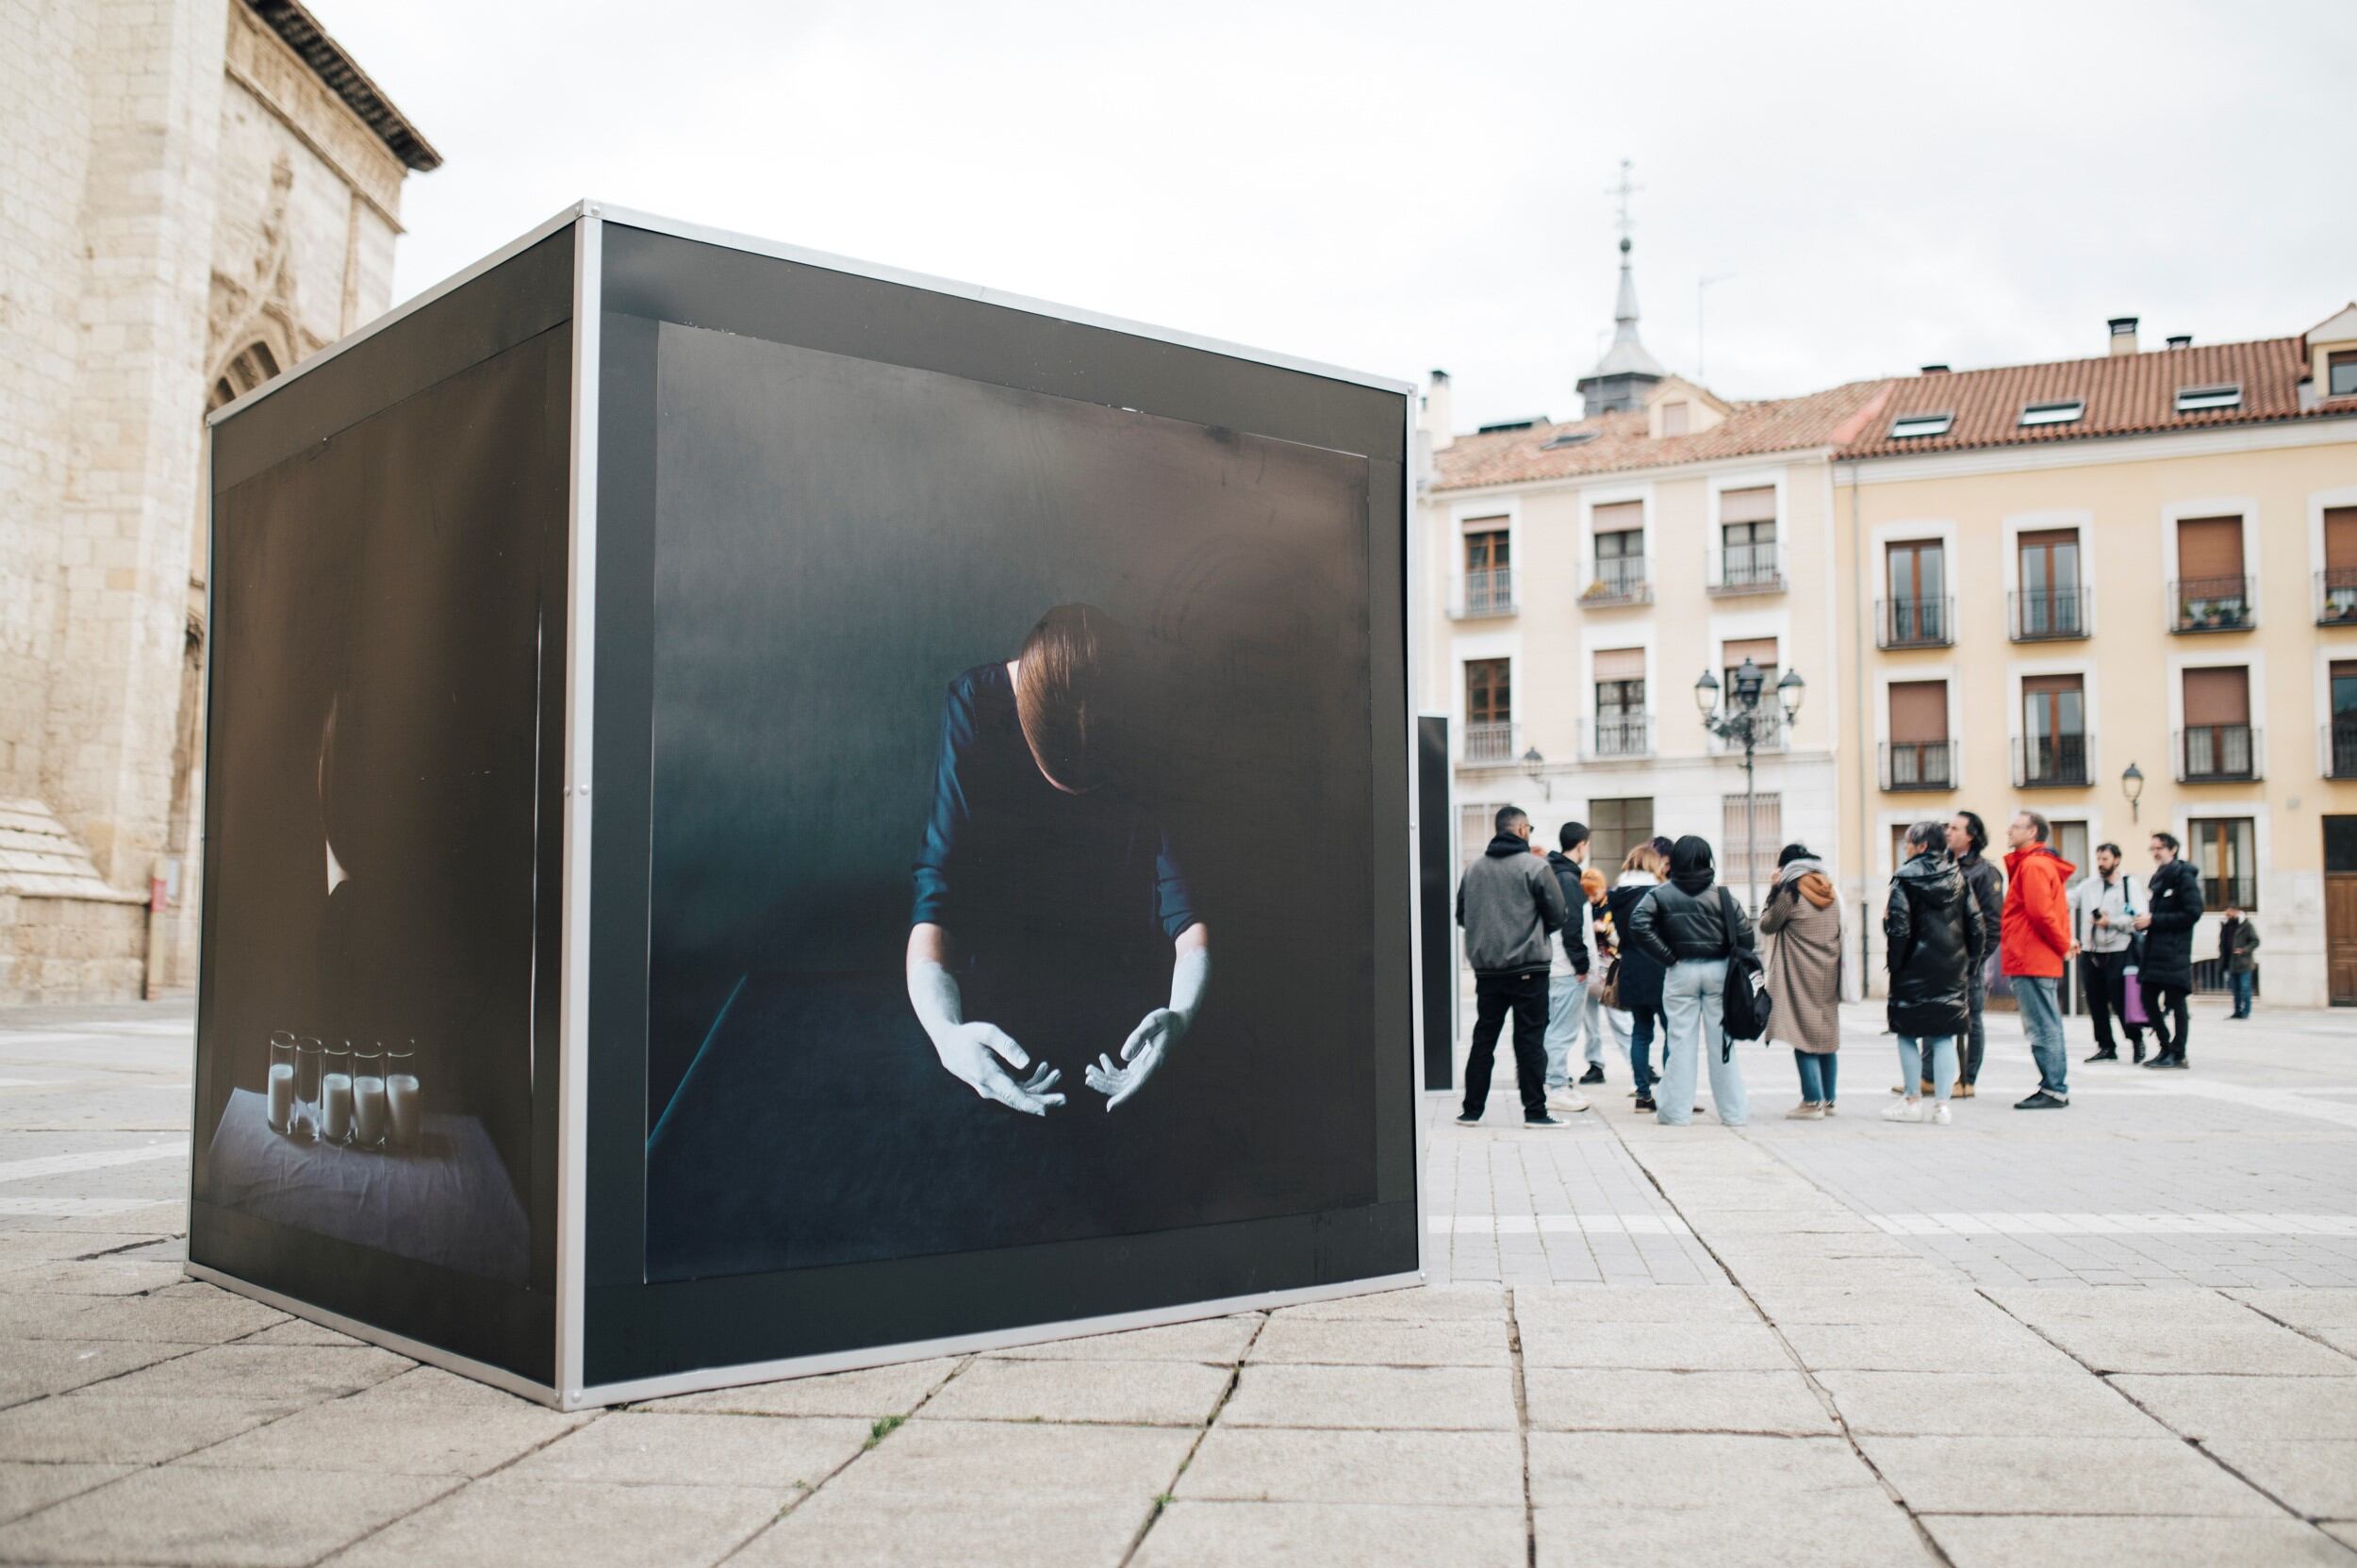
{"x": 1395, "y": 187}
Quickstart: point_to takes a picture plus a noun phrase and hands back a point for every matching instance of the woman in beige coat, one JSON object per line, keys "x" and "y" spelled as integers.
{"x": 1803, "y": 925}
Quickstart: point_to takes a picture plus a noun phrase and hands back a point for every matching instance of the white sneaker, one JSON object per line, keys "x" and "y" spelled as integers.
{"x": 1940, "y": 1116}
{"x": 1905, "y": 1111}
{"x": 1567, "y": 1100}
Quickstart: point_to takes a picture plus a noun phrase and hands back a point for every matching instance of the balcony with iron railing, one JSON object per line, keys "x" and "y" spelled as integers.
{"x": 1746, "y": 568}
{"x": 2052, "y": 761}
{"x": 1489, "y": 742}
{"x": 2340, "y": 749}
{"x": 1617, "y": 580}
{"x": 2218, "y": 753}
{"x": 1915, "y": 765}
{"x": 2337, "y": 595}
{"x": 1915, "y": 622}
{"x": 2236, "y": 892}
{"x": 1482, "y": 593}
{"x": 2212, "y": 604}
{"x": 2049, "y": 615}
{"x": 1618, "y": 737}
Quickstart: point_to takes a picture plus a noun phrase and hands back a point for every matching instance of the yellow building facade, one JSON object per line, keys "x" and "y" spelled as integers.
{"x": 2054, "y": 575}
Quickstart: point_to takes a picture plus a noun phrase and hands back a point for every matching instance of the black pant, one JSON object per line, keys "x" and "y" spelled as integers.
{"x": 2158, "y": 997}
{"x": 2104, "y": 979}
{"x": 1975, "y": 1041}
{"x": 1526, "y": 994}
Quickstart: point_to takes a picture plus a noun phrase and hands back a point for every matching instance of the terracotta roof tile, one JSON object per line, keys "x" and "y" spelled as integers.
{"x": 2126, "y": 394}
{"x": 1618, "y": 441}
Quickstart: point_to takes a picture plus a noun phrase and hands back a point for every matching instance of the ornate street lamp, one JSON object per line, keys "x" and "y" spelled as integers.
{"x": 1533, "y": 764}
{"x": 1742, "y": 721}
{"x": 2132, "y": 785}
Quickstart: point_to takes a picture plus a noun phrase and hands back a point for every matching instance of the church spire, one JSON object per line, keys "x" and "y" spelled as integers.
{"x": 1621, "y": 377}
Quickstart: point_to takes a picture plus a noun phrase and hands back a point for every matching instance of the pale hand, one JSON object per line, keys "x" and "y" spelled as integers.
{"x": 2144, "y": 922}
{"x": 1141, "y": 1054}
{"x": 972, "y": 1053}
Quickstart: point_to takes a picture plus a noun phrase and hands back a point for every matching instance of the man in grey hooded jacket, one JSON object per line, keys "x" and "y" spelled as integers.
{"x": 1509, "y": 905}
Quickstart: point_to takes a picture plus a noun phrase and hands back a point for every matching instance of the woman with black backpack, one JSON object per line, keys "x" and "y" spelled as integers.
{"x": 1692, "y": 929}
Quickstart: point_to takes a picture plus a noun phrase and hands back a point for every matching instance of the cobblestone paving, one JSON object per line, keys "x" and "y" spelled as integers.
{"x": 2126, "y": 1332}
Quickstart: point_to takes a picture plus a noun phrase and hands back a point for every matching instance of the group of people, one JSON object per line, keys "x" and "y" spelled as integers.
{"x": 1570, "y": 958}
{"x": 1566, "y": 955}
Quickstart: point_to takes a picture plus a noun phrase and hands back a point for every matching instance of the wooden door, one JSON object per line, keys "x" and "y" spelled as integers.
{"x": 2340, "y": 936}
{"x": 2340, "y": 910}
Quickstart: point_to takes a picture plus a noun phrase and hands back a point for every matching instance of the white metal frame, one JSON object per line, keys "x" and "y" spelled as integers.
{"x": 571, "y": 1391}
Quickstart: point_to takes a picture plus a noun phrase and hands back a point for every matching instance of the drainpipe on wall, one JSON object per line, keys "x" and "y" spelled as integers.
{"x": 1865, "y": 767}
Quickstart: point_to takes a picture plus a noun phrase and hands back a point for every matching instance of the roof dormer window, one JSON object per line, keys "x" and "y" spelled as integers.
{"x": 2062, "y": 411}
{"x": 2194, "y": 400}
{"x": 1908, "y": 425}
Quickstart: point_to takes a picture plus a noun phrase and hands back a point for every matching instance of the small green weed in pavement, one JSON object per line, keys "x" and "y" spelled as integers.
{"x": 883, "y": 1428}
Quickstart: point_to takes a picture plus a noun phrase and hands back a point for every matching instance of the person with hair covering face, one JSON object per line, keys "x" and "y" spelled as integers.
{"x": 1692, "y": 927}
{"x": 1051, "y": 916}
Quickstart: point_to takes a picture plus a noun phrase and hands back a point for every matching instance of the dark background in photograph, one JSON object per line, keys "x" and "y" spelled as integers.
{"x": 392, "y": 573}
{"x": 836, "y": 540}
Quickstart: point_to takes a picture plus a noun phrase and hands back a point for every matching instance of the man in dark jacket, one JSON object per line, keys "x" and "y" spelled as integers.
{"x": 1933, "y": 941}
{"x": 1968, "y": 841}
{"x": 1569, "y": 1004}
{"x": 2172, "y": 906}
{"x": 1509, "y": 905}
{"x": 2237, "y": 944}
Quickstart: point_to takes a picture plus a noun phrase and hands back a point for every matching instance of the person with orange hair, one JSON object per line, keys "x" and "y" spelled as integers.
{"x": 1050, "y": 906}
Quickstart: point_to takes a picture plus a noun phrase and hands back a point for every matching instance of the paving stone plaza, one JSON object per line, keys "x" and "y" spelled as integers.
{"x": 2124, "y": 1333}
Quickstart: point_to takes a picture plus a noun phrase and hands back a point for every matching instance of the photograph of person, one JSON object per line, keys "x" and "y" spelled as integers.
{"x": 1051, "y": 912}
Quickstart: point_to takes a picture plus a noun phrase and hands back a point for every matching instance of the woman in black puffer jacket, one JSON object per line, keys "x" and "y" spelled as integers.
{"x": 1932, "y": 935}
{"x": 1638, "y": 991}
{"x": 1691, "y": 926}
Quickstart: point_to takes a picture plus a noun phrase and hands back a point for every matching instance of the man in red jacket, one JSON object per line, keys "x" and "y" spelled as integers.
{"x": 2035, "y": 945}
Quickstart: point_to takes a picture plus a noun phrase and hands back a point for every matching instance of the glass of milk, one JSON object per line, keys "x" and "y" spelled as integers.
{"x": 336, "y": 1095}
{"x": 310, "y": 1061}
{"x": 279, "y": 1086}
{"x": 368, "y": 1095}
{"x": 405, "y": 1112}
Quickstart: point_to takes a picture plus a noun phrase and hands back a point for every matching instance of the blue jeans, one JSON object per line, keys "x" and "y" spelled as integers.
{"x": 1942, "y": 1071}
{"x": 1692, "y": 997}
{"x": 1819, "y": 1068}
{"x": 1640, "y": 1032}
{"x": 2041, "y": 1019}
{"x": 2242, "y": 986}
{"x": 1567, "y": 1005}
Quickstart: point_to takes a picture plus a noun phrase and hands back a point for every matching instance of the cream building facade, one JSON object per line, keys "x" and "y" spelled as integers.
{"x": 193, "y": 195}
{"x": 2147, "y": 557}
{"x": 1578, "y": 577}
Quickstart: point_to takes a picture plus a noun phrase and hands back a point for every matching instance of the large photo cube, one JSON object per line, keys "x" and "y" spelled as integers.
{"x": 770, "y": 814}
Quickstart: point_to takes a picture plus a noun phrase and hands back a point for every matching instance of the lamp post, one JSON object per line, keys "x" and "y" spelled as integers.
{"x": 1739, "y": 718}
{"x": 2132, "y": 785}
{"x": 1533, "y": 763}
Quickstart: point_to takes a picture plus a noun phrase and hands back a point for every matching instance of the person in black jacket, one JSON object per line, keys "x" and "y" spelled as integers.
{"x": 1968, "y": 839}
{"x": 1691, "y": 928}
{"x": 1567, "y": 975}
{"x": 1934, "y": 941}
{"x": 2172, "y": 906}
{"x": 2237, "y": 940}
{"x": 1638, "y": 992}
